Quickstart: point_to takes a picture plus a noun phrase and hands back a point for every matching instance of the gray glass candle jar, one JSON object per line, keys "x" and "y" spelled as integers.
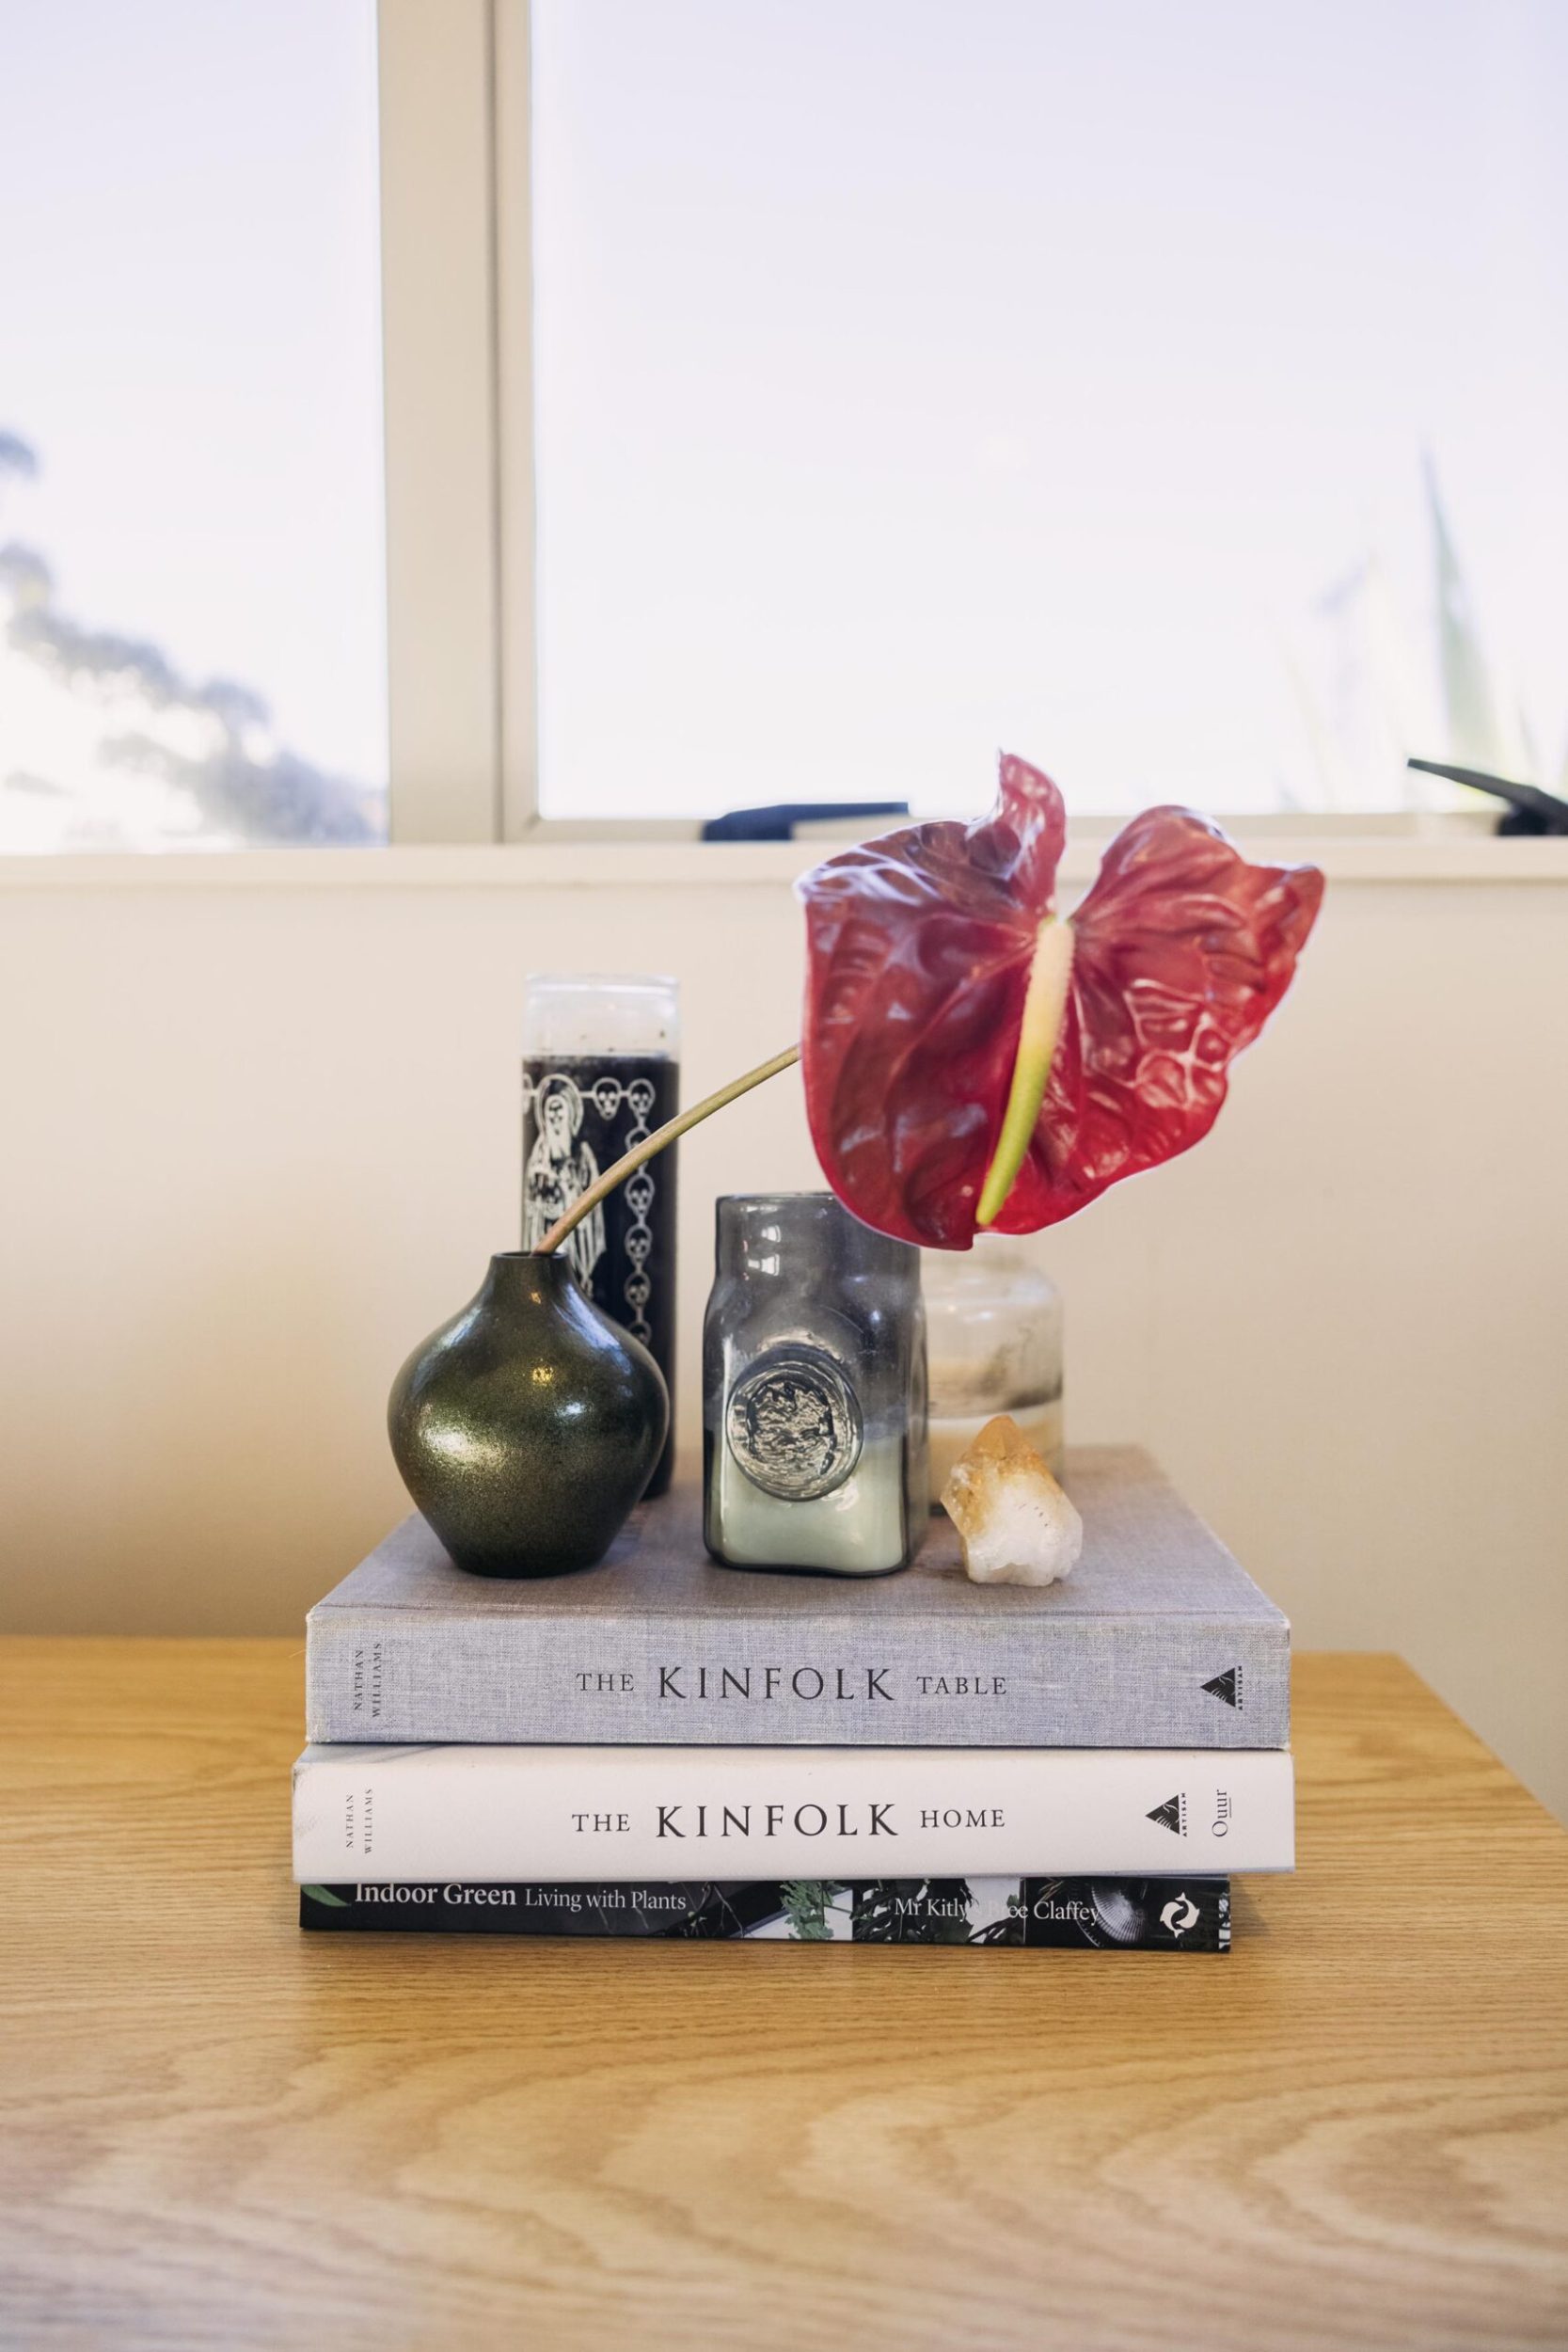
{"x": 814, "y": 1391}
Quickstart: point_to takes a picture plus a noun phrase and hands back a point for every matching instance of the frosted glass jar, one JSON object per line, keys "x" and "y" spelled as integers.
{"x": 995, "y": 1345}
{"x": 814, "y": 1391}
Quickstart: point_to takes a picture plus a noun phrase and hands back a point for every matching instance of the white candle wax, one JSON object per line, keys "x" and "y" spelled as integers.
{"x": 858, "y": 1530}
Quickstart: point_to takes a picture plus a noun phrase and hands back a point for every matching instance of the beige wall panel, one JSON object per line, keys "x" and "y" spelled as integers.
{"x": 261, "y": 1139}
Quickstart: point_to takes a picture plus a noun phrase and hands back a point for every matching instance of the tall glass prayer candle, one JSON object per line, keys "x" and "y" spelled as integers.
{"x": 601, "y": 1069}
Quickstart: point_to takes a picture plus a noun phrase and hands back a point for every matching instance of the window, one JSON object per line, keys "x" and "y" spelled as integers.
{"x": 779, "y": 402}
{"x": 1172, "y": 394}
{"x": 192, "y": 636}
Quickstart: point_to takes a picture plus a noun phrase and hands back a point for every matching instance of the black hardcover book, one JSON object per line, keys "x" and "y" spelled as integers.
{"x": 1045, "y": 1915}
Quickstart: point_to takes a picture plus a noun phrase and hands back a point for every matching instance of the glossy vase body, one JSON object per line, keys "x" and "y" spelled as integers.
{"x": 528, "y": 1426}
{"x": 814, "y": 1391}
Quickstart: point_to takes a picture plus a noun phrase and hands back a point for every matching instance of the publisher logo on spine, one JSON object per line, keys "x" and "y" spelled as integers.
{"x": 1172, "y": 1815}
{"x": 1227, "y": 1687}
{"x": 1178, "y": 1915}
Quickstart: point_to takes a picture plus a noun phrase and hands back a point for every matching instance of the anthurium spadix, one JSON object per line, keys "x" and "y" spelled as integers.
{"x": 972, "y": 1059}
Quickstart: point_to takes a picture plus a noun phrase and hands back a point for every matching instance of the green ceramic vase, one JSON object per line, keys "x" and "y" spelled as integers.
{"x": 528, "y": 1426}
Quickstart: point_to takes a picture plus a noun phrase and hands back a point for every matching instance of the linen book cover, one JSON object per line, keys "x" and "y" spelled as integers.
{"x": 1158, "y": 1639}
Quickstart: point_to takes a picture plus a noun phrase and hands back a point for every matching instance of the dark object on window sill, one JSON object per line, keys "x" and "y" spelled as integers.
{"x": 778, "y": 822}
{"x": 1529, "y": 810}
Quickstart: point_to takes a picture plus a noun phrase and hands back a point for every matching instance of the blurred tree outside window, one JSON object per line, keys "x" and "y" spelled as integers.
{"x": 192, "y": 582}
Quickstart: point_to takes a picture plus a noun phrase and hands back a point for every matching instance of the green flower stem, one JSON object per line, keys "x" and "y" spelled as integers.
{"x": 1044, "y": 1003}
{"x": 656, "y": 1143}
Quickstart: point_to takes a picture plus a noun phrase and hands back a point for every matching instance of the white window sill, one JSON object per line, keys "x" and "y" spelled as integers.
{"x": 1388, "y": 850}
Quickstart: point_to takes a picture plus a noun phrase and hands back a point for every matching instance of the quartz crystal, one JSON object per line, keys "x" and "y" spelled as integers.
{"x": 1016, "y": 1525}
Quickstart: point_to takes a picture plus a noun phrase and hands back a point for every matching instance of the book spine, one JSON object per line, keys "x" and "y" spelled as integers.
{"x": 515, "y": 1815}
{"x": 1168, "y": 1682}
{"x": 1056, "y": 1915}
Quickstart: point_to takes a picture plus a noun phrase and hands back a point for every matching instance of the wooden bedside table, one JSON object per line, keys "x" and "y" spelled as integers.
{"x": 216, "y": 2131}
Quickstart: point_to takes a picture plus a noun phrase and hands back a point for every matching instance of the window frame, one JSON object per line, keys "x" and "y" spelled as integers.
{"x": 457, "y": 312}
{"x": 435, "y": 79}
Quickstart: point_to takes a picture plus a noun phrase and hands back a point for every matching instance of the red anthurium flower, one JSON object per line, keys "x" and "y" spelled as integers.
{"x": 972, "y": 1060}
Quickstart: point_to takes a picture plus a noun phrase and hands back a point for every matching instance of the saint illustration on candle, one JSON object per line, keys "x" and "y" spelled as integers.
{"x": 561, "y": 1169}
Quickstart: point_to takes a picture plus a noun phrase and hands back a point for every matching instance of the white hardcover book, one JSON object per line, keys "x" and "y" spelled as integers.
{"x": 369, "y": 1813}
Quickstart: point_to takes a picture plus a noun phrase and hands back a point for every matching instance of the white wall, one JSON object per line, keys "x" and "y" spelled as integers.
{"x": 263, "y": 1133}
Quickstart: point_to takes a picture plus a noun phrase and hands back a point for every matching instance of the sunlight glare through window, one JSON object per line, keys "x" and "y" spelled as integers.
{"x": 1175, "y": 396}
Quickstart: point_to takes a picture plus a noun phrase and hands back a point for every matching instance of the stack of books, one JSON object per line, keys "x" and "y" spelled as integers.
{"x": 664, "y": 1747}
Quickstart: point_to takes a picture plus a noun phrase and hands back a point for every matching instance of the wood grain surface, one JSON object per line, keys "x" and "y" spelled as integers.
{"x": 216, "y": 2131}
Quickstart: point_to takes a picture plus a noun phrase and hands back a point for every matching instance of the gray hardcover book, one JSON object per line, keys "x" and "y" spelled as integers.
{"x": 1157, "y": 1639}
